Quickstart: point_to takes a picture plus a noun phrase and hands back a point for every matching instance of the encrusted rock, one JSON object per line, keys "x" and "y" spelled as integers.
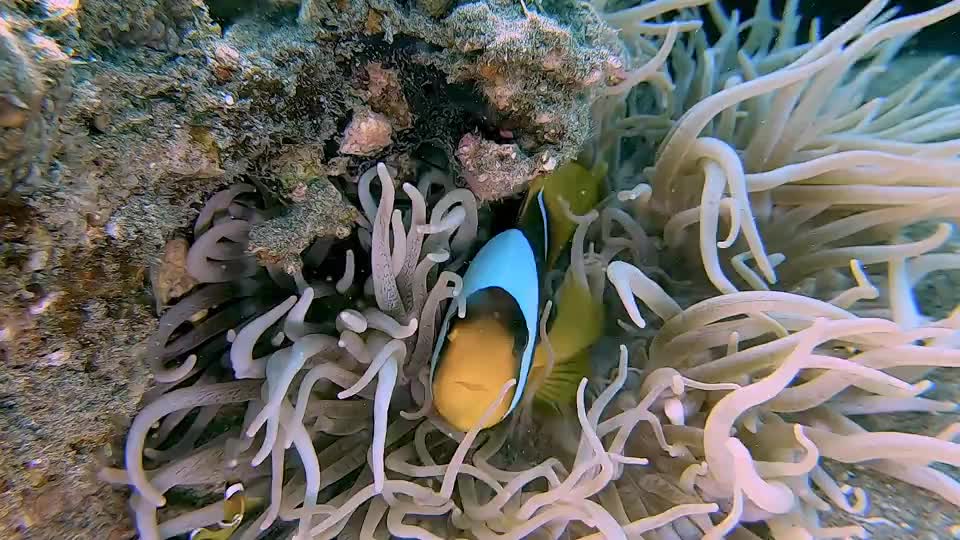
{"x": 436, "y": 8}
{"x": 160, "y": 25}
{"x": 536, "y": 70}
{"x": 169, "y": 277}
{"x": 493, "y": 171}
{"x": 319, "y": 211}
{"x": 386, "y": 95}
{"x": 13, "y": 111}
{"x": 32, "y": 70}
{"x": 368, "y": 133}
{"x": 224, "y": 62}
{"x": 296, "y": 166}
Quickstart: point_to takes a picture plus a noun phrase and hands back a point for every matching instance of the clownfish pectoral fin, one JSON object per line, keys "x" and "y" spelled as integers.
{"x": 577, "y": 326}
{"x": 558, "y": 386}
{"x": 579, "y": 319}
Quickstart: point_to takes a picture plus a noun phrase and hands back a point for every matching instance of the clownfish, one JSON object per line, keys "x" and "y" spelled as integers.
{"x": 496, "y": 340}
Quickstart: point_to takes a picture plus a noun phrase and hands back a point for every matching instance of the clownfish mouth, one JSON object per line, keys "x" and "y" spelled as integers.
{"x": 472, "y": 387}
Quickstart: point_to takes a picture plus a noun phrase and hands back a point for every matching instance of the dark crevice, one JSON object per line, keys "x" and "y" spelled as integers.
{"x": 443, "y": 108}
{"x": 226, "y": 12}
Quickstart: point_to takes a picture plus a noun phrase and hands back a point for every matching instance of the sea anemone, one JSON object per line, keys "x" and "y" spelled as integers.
{"x": 741, "y": 361}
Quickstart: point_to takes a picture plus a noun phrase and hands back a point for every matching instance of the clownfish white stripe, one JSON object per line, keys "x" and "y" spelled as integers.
{"x": 546, "y": 228}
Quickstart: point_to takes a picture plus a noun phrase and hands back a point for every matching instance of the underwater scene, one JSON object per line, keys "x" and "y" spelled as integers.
{"x": 488, "y": 269}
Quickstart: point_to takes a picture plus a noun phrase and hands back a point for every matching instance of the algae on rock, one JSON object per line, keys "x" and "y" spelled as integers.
{"x": 319, "y": 212}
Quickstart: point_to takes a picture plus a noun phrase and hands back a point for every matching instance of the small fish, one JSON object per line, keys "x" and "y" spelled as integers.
{"x": 234, "y": 505}
{"x": 497, "y": 339}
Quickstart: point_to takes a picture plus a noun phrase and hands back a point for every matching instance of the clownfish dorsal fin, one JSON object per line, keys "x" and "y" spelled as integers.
{"x": 535, "y": 221}
{"x": 542, "y": 218}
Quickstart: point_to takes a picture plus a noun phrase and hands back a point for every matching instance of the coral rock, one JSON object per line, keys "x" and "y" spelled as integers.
{"x": 170, "y": 278}
{"x": 224, "y": 62}
{"x": 386, "y": 95}
{"x": 367, "y": 134}
{"x": 32, "y": 70}
{"x": 493, "y": 171}
{"x": 320, "y": 212}
{"x": 436, "y": 8}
